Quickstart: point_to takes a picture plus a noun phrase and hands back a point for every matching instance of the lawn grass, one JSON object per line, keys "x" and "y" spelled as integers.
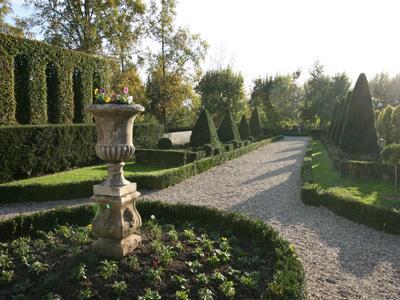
{"x": 98, "y": 173}
{"x": 368, "y": 191}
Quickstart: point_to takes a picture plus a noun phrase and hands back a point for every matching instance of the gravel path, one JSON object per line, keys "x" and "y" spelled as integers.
{"x": 343, "y": 260}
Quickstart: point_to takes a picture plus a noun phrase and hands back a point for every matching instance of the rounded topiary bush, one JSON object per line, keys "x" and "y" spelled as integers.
{"x": 186, "y": 249}
{"x": 164, "y": 143}
{"x": 209, "y": 149}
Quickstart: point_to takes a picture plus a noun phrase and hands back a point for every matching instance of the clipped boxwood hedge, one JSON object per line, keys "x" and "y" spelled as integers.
{"x": 166, "y": 158}
{"x": 32, "y": 150}
{"x": 24, "y": 85}
{"x": 344, "y": 204}
{"x": 288, "y": 280}
{"x": 35, "y": 192}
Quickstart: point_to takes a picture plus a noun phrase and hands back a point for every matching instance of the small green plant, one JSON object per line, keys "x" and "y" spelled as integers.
{"x": 6, "y": 276}
{"x": 86, "y": 293}
{"x": 149, "y": 294}
{"x": 5, "y": 261}
{"x": 250, "y": 280}
{"x": 21, "y": 246}
{"x": 172, "y": 235}
{"x": 179, "y": 247}
{"x": 133, "y": 263}
{"x": 194, "y": 266}
{"x": 214, "y": 260}
{"x": 79, "y": 273}
{"x": 181, "y": 295}
{"x": 164, "y": 253}
{"x": 189, "y": 235}
{"x": 119, "y": 287}
{"x": 227, "y": 289}
{"x": 155, "y": 230}
{"x": 108, "y": 269}
{"x": 206, "y": 294}
{"x": 202, "y": 278}
{"x": 224, "y": 256}
{"x": 151, "y": 276}
{"x": 218, "y": 276}
{"x": 179, "y": 281}
{"x": 37, "y": 267}
{"x": 198, "y": 252}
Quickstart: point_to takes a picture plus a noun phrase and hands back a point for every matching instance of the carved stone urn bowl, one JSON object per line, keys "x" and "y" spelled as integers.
{"x": 117, "y": 219}
{"x": 114, "y": 126}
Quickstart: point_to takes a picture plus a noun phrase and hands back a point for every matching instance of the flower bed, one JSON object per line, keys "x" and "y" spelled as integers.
{"x": 188, "y": 253}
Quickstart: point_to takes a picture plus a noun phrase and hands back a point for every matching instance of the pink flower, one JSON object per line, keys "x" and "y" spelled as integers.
{"x": 126, "y": 90}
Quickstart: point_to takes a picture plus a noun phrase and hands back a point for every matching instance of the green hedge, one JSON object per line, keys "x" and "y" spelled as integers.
{"x": 345, "y": 205}
{"x": 288, "y": 280}
{"x": 33, "y": 150}
{"x": 163, "y": 179}
{"x": 166, "y": 158}
{"x": 24, "y": 85}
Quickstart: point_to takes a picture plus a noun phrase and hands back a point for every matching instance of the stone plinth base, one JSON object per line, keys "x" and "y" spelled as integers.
{"x": 117, "y": 220}
{"x": 117, "y": 248}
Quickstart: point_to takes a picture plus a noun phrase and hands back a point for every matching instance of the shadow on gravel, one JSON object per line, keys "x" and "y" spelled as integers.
{"x": 360, "y": 248}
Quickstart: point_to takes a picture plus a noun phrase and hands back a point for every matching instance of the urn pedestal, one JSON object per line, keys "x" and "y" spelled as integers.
{"x": 117, "y": 219}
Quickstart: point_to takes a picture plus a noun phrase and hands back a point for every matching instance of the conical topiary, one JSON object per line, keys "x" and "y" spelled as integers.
{"x": 244, "y": 129}
{"x": 359, "y": 133}
{"x": 334, "y": 121}
{"x": 204, "y": 131}
{"x": 255, "y": 125}
{"x": 342, "y": 114}
{"x": 228, "y": 131}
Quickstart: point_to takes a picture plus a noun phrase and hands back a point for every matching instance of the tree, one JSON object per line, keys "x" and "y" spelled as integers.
{"x": 320, "y": 94}
{"x": 396, "y": 125}
{"x": 279, "y": 97}
{"x": 220, "y": 90}
{"x": 337, "y": 134}
{"x": 171, "y": 100}
{"x": 380, "y": 87}
{"x": 384, "y": 124}
{"x": 178, "y": 58}
{"x": 244, "y": 129}
{"x": 86, "y": 25}
{"x": 18, "y": 29}
{"x": 359, "y": 134}
{"x": 334, "y": 121}
{"x": 255, "y": 125}
{"x": 228, "y": 131}
{"x": 204, "y": 131}
{"x": 391, "y": 156}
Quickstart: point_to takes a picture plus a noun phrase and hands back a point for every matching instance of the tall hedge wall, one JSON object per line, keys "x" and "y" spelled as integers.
{"x": 27, "y": 151}
{"x": 25, "y": 81}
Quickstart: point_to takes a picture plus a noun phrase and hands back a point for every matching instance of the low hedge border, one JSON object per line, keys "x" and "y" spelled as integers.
{"x": 33, "y": 150}
{"x": 82, "y": 189}
{"x": 288, "y": 280}
{"x": 344, "y": 204}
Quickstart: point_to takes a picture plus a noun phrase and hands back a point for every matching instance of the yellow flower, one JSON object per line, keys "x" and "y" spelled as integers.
{"x": 96, "y": 91}
{"x": 107, "y": 99}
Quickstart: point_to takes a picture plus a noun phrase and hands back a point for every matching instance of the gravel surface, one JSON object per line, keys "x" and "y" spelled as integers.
{"x": 342, "y": 259}
{"x": 9, "y": 210}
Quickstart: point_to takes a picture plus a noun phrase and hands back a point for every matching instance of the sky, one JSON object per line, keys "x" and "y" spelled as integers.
{"x": 259, "y": 37}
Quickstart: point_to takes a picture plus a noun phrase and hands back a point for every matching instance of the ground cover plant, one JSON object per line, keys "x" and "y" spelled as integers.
{"x": 214, "y": 256}
{"x": 369, "y": 191}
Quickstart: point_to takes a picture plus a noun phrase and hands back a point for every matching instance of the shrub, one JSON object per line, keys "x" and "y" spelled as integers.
{"x": 36, "y": 192}
{"x": 341, "y": 117}
{"x": 255, "y": 125}
{"x": 359, "y": 134}
{"x": 28, "y": 151}
{"x": 228, "y": 131}
{"x": 344, "y": 204}
{"x": 158, "y": 157}
{"x": 164, "y": 143}
{"x": 204, "y": 131}
{"x": 209, "y": 149}
{"x": 229, "y": 147}
{"x": 244, "y": 129}
{"x": 30, "y": 59}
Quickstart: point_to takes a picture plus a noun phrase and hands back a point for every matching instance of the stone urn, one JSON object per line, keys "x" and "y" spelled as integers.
{"x": 117, "y": 218}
